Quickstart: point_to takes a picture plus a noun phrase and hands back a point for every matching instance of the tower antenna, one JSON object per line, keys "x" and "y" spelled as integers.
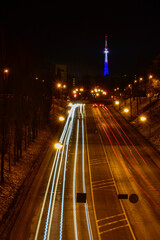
{"x": 106, "y": 71}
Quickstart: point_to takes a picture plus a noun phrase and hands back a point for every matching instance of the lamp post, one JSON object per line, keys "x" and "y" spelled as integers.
{"x": 130, "y": 93}
{"x": 118, "y": 104}
{"x": 150, "y": 116}
{"x": 4, "y": 122}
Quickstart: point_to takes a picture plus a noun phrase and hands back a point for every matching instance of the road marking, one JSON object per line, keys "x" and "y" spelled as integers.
{"x": 127, "y": 170}
{"x": 117, "y": 189}
{"x": 109, "y": 179}
{"x": 102, "y": 183}
{"x": 99, "y": 188}
{"x": 97, "y": 163}
{"x": 110, "y": 223}
{"x": 90, "y": 177}
{"x": 106, "y": 218}
{"x": 98, "y": 159}
{"x": 112, "y": 229}
{"x": 84, "y": 186}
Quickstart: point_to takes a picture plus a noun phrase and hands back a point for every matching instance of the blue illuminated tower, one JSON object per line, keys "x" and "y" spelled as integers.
{"x": 106, "y": 71}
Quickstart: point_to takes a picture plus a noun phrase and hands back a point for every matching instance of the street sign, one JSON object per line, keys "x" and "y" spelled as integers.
{"x": 122, "y": 196}
{"x": 81, "y": 197}
{"x": 133, "y": 198}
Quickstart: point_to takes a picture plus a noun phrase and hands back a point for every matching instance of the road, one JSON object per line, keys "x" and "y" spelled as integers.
{"x": 102, "y": 156}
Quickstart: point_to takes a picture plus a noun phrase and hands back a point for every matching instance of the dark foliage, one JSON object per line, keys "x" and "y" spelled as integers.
{"x": 25, "y": 98}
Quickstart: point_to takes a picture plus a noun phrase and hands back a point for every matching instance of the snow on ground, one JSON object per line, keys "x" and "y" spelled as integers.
{"x": 150, "y": 128}
{"x": 19, "y": 172}
{"x": 15, "y": 178}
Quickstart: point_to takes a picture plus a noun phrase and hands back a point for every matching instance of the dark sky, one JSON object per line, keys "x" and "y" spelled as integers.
{"x": 73, "y": 34}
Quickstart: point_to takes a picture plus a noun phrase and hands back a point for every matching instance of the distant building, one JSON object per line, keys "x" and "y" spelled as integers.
{"x": 61, "y": 73}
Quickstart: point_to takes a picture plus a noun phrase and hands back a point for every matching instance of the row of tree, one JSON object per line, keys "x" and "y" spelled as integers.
{"x": 25, "y": 100}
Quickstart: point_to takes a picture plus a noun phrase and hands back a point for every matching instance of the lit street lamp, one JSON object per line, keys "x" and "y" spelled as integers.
{"x": 143, "y": 118}
{"x": 117, "y": 103}
{"x": 5, "y": 71}
{"x": 61, "y": 118}
{"x": 58, "y": 146}
{"x": 126, "y": 110}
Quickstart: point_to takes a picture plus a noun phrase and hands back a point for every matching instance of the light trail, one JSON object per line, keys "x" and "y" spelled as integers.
{"x": 125, "y": 168}
{"x": 45, "y": 197}
{"x": 74, "y": 182}
{"x": 126, "y": 136}
{"x": 83, "y": 180}
{"x": 90, "y": 178}
{"x": 56, "y": 160}
{"x": 52, "y": 202}
{"x": 141, "y": 175}
{"x": 59, "y": 169}
{"x": 55, "y": 175}
{"x": 64, "y": 178}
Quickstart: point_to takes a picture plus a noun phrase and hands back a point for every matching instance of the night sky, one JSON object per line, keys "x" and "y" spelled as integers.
{"x": 73, "y": 34}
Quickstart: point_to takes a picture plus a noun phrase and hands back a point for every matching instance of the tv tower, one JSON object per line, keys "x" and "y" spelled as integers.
{"x": 106, "y": 71}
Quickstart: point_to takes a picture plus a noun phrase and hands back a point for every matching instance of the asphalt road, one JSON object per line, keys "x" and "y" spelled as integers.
{"x": 102, "y": 156}
{"x": 133, "y": 165}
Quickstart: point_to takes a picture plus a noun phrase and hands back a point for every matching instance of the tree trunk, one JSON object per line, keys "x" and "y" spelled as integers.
{"x": 2, "y": 167}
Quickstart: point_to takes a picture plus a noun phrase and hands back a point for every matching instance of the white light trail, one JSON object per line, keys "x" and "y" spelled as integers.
{"x": 50, "y": 211}
{"x": 64, "y": 178}
{"x": 55, "y": 180}
{"x": 83, "y": 180}
{"x": 44, "y": 201}
{"x": 56, "y": 160}
{"x": 74, "y": 182}
{"x": 55, "y": 174}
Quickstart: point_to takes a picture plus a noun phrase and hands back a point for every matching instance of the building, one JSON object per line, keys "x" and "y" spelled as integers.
{"x": 61, "y": 73}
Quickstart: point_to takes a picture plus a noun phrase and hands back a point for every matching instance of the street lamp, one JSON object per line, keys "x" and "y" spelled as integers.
{"x": 70, "y": 104}
{"x": 58, "y": 146}
{"x": 61, "y": 118}
{"x": 143, "y": 118}
{"x": 6, "y": 70}
{"x": 126, "y": 110}
{"x": 135, "y": 81}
